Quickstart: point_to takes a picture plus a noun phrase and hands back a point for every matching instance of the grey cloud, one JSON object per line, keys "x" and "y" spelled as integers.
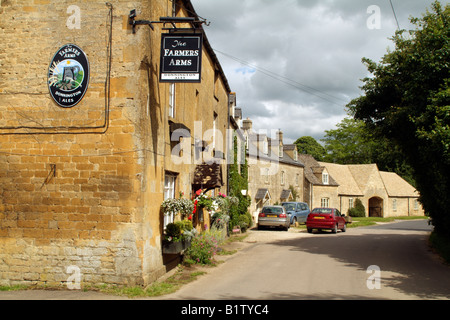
{"x": 306, "y": 44}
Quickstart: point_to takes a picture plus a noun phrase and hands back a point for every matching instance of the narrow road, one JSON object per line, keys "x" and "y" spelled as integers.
{"x": 278, "y": 265}
{"x": 327, "y": 266}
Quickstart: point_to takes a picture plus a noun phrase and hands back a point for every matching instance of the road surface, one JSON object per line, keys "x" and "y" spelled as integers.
{"x": 292, "y": 265}
{"x": 331, "y": 266}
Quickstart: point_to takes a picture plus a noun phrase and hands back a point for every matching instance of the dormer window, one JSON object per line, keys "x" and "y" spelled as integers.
{"x": 325, "y": 178}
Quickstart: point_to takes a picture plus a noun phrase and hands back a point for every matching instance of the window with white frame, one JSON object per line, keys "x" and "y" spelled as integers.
{"x": 283, "y": 177}
{"x": 169, "y": 193}
{"x": 325, "y": 202}
{"x": 394, "y": 204}
{"x": 416, "y": 204}
{"x": 351, "y": 203}
{"x": 172, "y": 100}
{"x": 325, "y": 178}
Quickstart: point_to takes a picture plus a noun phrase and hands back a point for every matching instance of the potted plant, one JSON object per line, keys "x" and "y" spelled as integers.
{"x": 178, "y": 237}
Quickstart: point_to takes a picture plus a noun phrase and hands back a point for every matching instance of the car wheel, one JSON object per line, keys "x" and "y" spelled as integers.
{"x": 344, "y": 228}
{"x": 310, "y": 230}
{"x": 294, "y": 220}
{"x": 334, "y": 230}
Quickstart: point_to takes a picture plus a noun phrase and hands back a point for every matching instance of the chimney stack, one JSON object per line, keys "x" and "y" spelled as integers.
{"x": 280, "y": 136}
{"x": 247, "y": 125}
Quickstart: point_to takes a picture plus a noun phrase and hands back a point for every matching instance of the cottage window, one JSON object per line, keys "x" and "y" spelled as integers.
{"x": 283, "y": 177}
{"x": 350, "y": 203}
{"x": 416, "y": 204}
{"x": 325, "y": 178}
{"x": 394, "y": 204}
{"x": 325, "y": 202}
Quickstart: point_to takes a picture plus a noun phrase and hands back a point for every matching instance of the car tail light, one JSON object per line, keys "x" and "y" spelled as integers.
{"x": 283, "y": 215}
{"x": 262, "y": 215}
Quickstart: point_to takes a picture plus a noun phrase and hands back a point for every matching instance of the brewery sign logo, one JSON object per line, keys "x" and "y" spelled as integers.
{"x": 68, "y": 76}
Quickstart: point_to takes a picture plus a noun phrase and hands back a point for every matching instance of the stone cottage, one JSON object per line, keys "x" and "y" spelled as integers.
{"x": 383, "y": 194}
{"x": 93, "y": 137}
{"x": 275, "y": 172}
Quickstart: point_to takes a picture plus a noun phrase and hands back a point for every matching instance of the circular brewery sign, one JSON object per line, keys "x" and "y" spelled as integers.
{"x": 68, "y": 75}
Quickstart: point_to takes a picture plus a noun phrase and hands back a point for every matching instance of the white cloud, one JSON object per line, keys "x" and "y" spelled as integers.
{"x": 302, "y": 58}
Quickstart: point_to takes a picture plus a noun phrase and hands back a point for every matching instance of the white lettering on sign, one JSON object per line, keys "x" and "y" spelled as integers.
{"x": 74, "y": 21}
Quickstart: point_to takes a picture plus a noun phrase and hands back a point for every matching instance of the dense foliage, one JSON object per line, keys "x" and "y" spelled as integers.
{"x": 407, "y": 102}
{"x": 238, "y": 181}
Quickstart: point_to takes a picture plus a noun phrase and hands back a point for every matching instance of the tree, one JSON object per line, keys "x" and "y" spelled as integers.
{"x": 309, "y": 145}
{"x": 407, "y": 102}
{"x": 353, "y": 143}
{"x": 350, "y": 143}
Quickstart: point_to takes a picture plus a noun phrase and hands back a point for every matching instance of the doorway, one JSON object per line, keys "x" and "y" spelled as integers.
{"x": 376, "y": 207}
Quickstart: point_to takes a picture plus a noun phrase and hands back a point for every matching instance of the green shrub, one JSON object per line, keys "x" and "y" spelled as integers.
{"x": 173, "y": 230}
{"x": 358, "y": 210}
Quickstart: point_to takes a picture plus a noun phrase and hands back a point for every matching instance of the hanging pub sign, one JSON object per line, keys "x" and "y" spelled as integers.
{"x": 181, "y": 57}
{"x": 68, "y": 75}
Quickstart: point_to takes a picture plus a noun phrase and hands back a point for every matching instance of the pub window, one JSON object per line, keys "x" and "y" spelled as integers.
{"x": 172, "y": 100}
{"x": 169, "y": 193}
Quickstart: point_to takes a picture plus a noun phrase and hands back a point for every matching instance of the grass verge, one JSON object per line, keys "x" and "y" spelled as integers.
{"x": 182, "y": 277}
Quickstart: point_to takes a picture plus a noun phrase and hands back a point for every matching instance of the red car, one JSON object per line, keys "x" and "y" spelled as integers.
{"x": 326, "y": 218}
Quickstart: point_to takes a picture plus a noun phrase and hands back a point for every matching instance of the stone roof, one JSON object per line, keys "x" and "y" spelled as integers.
{"x": 397, "y": 187}
{"x": 345, "y": 179}
{"x": 311, "y": 167}
{"x": 261, "y": 194}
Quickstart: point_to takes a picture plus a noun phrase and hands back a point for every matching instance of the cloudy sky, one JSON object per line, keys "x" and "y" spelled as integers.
{"x": 295, "y": 64}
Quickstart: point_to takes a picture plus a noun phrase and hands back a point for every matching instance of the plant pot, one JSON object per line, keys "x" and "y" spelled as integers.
{"x": 175, "y": 247}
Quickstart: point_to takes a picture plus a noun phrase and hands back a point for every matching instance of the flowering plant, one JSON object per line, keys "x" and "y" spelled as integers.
{"x": 176, "y": 206}
{"x": 205, "y": 201}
